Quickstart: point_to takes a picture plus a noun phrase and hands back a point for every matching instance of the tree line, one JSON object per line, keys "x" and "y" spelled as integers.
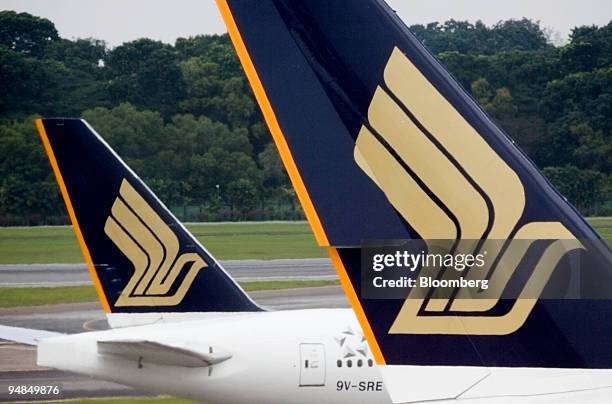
{"x": 183, "y": 115}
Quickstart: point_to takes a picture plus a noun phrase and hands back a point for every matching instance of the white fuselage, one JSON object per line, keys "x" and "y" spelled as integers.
{"x": 305, "y": 356}
{"x": 301, "y": 356}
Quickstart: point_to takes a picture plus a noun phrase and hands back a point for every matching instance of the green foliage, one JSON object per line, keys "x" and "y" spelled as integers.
{"x": 585, "y": 96}
{"x": 583, "y": 187}
{"x": 478, "y": 39}
{"x": 499, "y": 103}
{"x": 135, "y": 135}
{"x": 578, "y": 109}
{"x": 82, "y": 85}
{"x": 183, "y": 160}
{"x": 274, "y": 174}
{"x": 28, "y": 85}
{"x": 145, "y": 73}
{"x": 25, "y": 33}
{"x": 27, "y": 186}
{"x": 209, "y": 94}
{"x": 590, "y": 48}
{"x": 183, "y": 115}
{"x": 242, "y": 195}
{"x": 215, "y": 49}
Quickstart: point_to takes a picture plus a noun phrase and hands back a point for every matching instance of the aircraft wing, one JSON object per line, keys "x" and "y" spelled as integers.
{"x": 161, "y": 353}
{"x": 26, "y": 336}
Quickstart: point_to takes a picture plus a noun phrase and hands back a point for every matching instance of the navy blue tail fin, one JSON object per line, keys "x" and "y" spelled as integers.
{"x": 382, "y": 143}
{"x": 141, "y": 258}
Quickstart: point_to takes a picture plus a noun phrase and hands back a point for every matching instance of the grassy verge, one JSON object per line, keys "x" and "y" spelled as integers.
{"x": 27, "y": 245}
{"x": 276, "y": 285}
{"x": 22, "y": 297}
{"x": 603, "y": 225}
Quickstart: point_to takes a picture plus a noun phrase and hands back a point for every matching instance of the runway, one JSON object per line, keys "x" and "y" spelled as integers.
{"x": 18, "y": 362}
{"x": 79, "y": 317}
{"x": 50, "y": 275}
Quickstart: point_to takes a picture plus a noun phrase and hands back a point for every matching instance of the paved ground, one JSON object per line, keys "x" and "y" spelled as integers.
{"x": 244, "y": 270}
{"x": 78, "y": 317}
{"x": 18, "y": 362}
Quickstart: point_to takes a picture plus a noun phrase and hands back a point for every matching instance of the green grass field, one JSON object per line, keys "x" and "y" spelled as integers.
{"x": 28, "y": 245}
{"x": 24, "y": 297}
{"x": 603, "y": 225}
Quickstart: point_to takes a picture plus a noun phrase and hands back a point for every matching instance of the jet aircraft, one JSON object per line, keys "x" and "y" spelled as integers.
{"x": 380, "y": 143}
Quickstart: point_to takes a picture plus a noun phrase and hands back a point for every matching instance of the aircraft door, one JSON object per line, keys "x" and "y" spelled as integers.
{"x": 312, "y": 365}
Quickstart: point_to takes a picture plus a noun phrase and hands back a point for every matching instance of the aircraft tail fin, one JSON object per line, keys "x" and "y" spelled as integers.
{"x": 140, "y": 257}
{"x": 382, "y": 143}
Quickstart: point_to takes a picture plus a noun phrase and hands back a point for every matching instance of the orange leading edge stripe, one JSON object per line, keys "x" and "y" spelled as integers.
{"x": 349, "y": 291}
{"x": 294, "y": 174}
{"x": 275, "y": 129}
{"x": 75, "y": 224}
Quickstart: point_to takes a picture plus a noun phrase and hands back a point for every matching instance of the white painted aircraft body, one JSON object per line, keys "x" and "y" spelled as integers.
{"x": 276, "y": 357}
{"x": 296, "y": 356}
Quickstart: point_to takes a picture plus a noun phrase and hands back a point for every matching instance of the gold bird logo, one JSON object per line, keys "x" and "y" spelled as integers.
{"x": 152, "y": 248}
{"x": 448, "y": 183}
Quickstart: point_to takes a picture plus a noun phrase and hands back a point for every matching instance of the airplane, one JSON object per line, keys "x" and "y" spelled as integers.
{"x": 180, "y": 324}
{"x": 380, "y": 143}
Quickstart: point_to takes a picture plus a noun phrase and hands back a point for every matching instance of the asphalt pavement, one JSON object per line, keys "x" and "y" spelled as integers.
{"x": 50, "y": 275}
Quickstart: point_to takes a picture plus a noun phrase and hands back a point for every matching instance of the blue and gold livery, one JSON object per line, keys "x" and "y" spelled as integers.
{"x": 141, "y": 258}
{"x": 382, "y": 143}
